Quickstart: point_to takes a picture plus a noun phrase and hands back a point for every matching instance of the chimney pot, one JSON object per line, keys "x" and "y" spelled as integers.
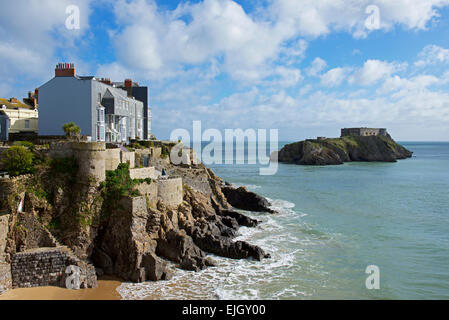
{"x": 65, "y": 70}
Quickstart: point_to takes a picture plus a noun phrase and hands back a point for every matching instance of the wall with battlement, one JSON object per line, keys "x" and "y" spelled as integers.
{"x": 170, "y": 191}
{"x": 363, "y": 132}
{"x": 46, "y": 267}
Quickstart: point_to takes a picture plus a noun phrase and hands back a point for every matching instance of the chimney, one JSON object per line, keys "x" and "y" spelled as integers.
{"x": 128, "y": 83}
{"x": 65, "y": 70}
{"x": 106, "y": 81}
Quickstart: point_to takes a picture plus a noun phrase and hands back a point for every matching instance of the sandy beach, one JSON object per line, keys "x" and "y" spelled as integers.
{"x": 106, "y": 290}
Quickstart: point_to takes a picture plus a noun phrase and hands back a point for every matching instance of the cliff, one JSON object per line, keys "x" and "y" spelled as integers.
{"x": 122, "y": 227}
{"x": 334, "y": 151}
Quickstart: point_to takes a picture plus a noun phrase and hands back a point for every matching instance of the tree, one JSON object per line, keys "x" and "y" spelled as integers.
{"x": 71, "y": 130}
{"x": 18, "y": 160}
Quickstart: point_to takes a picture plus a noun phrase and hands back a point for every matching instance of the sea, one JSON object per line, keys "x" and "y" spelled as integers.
{"x": 334, "y": 223}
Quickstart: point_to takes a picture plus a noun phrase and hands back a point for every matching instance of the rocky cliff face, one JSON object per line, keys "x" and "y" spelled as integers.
{"x": 339, "y": 150}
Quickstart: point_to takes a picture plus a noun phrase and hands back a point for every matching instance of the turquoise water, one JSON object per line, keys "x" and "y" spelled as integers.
{"x": 334, "y": 221}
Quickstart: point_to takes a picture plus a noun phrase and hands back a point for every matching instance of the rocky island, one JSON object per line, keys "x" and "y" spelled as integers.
{"x": 355, "y": 144}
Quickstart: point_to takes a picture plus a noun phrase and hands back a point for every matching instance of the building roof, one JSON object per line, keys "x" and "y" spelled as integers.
{"x": 13, "y": 105}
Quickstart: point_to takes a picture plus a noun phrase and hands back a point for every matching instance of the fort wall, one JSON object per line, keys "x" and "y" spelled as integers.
{"x": 170, "y": 191}
{"x": 363, "y": 132}
{"x": 112, "y": 158}
{"x": 91, "y": 159}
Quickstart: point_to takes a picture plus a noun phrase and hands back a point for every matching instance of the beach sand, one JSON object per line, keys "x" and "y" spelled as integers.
{"x": 106, "y": 290}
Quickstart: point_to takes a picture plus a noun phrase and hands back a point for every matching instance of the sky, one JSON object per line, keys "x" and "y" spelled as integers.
{"x": 304, "y": 67}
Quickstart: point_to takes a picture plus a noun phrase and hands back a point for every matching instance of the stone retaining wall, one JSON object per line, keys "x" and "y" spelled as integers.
{"x": 46, "y": 267}
{"x": 143, "y": 173}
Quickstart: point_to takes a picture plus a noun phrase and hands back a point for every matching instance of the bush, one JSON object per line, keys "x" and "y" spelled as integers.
{"x": 71, "y": 130}
{"x": 18, "y": 160}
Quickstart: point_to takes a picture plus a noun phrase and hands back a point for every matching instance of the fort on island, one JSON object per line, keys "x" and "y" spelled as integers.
{"x": 363, "y": 132}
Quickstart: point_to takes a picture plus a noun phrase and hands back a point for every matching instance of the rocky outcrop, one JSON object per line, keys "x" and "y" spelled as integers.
{"x": 122, "y": 232}
{"x": 339, "y": 150}
{"x": 125, "y": 249}
{"x": 243, "y": 199}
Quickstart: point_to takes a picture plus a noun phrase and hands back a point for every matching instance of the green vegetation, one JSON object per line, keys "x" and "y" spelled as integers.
{"x": 165, "y": 152}
{"x": 26, "y": 144}
{"x": 146, "y": 180}
{"x": 55, "y": 224}
{"x": 139, "y": 144}
{"x": 18, "y": 160}
{"x": 118, "y": 184}
{"x": 71, "y": 130}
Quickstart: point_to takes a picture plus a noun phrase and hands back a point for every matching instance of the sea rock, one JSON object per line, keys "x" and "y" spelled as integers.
{"x": 239, "y": 218}
{"x": 241, "y": 198}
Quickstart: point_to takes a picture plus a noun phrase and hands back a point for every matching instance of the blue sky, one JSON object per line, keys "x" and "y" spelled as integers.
{"x": 304, "y": 67}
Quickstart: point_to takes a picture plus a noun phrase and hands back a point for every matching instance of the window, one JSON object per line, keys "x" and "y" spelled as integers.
{"x": 99, "y": 97}
{"x": 100, "y": 114}
{"x": 100, "y": 132}
{"x": 27, "y": 124}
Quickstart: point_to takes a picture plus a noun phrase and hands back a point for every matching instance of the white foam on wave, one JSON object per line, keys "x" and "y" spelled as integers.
{"x": 244, "y": 279}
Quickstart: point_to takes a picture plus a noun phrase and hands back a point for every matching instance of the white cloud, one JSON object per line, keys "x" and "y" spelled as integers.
{"x": 320, "y": 17}
{"x": 334, "y": 77}
{"x": 374, "y": 71}
{"x": 432, "y": 55}
{"x": 248, "y": 45}
{"x": 316, "y": 67}
{"x": 31, "y": 31}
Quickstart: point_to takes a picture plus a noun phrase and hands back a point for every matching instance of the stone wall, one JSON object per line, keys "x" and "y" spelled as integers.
{"x": 143, "y": 173}
{"x": 363, "y": 132}
{"x": 61, "y": 149}
{"x": 170, "y": 191}
{"x": 4, "y": 229}
{"x": 149, "y": 191}
{"x": 128, "y": 157}
{"x": 5, "y": 277}
{"x": 112, "y": 158}
{"x": 46, "y": 267}
{"x": 5, "y": 268}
